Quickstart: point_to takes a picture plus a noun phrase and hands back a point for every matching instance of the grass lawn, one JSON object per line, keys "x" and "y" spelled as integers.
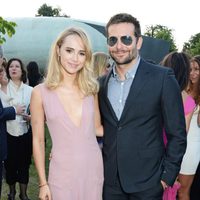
{"x": 33, "y": 180}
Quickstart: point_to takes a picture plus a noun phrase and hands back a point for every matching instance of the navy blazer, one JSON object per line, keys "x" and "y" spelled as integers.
{"x": 134, "y": 145}
{"x": 7, "y": 113}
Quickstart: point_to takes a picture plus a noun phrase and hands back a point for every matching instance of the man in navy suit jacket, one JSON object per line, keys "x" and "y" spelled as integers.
{"x": 137, "y": 100}
{"x": 5, "y": 114}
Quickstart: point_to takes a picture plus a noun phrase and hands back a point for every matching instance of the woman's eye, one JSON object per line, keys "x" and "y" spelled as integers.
{"x": 68, "y": 50}
{"x": 82, "y": 54}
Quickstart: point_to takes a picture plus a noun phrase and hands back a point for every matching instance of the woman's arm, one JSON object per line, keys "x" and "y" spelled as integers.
{"x": 37, "y": 122}
{"x": 189, "y": 107}
{"x": 98, "y": 125}
{"x": 188, "y": 118}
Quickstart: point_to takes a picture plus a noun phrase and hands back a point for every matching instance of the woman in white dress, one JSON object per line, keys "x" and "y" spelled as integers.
{"x": 195, "y": 86}
{"x": 192, "y": 155}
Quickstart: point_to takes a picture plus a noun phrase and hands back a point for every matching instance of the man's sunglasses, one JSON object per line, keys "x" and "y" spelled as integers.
{"x": 125, "y": 39}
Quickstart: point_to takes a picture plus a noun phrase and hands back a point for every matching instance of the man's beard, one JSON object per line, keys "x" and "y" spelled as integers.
{"x": 132, "y": 55}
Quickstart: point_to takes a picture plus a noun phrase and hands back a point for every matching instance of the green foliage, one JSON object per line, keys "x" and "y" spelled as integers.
{"x": 161, "y": 32}
{"x": 192, "y": 47}
{"x": 6, "y": 28}
{"x": 48, "y": 11}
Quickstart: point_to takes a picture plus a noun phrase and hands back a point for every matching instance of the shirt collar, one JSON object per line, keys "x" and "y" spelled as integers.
{"x": 12, "y": 84}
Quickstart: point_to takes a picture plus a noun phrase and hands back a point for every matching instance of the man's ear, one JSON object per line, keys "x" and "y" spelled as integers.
{"x": 139, "y": 43}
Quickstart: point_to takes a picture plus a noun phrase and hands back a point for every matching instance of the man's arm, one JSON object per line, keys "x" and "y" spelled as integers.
{"x": 7, "y": 113}
{"x": 175, "y": 127}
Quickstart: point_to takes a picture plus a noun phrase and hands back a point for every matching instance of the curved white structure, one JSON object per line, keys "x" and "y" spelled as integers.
{"x": 34, "y": 37}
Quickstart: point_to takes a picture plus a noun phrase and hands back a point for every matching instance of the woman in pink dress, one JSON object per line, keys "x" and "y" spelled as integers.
{"x": 67, "y": 102}
{"x": 180, "y": 62}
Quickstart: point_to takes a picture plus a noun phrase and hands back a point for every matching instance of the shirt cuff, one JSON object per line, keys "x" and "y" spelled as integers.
{"x": 15, "y": 109}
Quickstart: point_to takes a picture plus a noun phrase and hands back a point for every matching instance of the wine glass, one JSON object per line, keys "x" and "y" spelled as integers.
{"x": 24, "y": 115}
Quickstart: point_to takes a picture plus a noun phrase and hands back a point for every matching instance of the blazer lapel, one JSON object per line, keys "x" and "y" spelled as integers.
{"x": 139, "y": 82}
{"x": 105, "y": 95}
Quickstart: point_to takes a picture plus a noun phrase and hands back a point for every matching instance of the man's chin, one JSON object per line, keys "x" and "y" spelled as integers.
{"x": 124, "y": 62}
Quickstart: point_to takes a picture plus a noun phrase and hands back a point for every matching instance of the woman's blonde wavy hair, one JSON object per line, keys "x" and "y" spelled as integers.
{"x": 86, "y": 81}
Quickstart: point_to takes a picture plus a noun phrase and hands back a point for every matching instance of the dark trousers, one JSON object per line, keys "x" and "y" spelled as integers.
{"x": 18, "y": 159}
{"x": 116, "y": 192}
{"x": 195, "y": 189}
{"x": 1, "y": 169}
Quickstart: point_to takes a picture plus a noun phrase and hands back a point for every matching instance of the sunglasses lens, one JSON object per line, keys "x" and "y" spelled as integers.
{"x": 127, "y": 40}
{"x": 112, "y": 41}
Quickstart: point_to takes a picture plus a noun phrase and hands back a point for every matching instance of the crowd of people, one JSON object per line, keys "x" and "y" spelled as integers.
{"x": 146, "y": 117}
{"x": 16, "y": 138}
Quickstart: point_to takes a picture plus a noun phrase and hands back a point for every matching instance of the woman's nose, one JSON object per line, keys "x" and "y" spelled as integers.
{"x": 75, "y": 57}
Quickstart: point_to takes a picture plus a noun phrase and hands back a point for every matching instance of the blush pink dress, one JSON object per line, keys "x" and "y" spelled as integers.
{"x": 76, "y": 166}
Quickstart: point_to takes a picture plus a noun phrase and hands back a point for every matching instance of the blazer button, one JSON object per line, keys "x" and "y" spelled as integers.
{"x": 119, "y": 128}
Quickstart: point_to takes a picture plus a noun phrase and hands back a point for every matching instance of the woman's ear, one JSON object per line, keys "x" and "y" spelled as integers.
{"x": 58, "y": 51}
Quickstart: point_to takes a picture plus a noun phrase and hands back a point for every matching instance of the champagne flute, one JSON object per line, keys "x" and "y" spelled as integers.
{"x": 24, "y": 115}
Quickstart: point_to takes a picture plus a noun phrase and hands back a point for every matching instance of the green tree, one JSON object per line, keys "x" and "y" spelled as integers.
{"x": 49, "y": 11}
{"x": 192, "y": 47}
{"x": 6, "y": 28}
{"x": 161, "y": 32}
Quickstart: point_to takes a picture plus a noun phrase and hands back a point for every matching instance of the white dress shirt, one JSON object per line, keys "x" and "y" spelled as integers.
{"x": 18, "y": 96}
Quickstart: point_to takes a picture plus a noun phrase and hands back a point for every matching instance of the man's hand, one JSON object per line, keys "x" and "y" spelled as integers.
{"x": 165, "y": 186}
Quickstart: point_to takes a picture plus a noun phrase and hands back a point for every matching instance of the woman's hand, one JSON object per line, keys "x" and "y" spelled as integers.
{"x": 20, "y": 109}
{"x": 26, "y": 117}
{"x": 44, "y": 193}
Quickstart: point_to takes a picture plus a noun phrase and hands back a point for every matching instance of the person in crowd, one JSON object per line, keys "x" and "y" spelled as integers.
{"x": 180, "y": 63}
{"x": 33, "y": 74}
{"x": 19, "y": 139}
{"x": 192, "y": 156}
{"x": 6, "y": 113}
{"x": 135, "y": 104}
{"x": 194, "y": 132}
{"x": 68, "y": 102}
{"x": 4, "y": 62}
{"x": 101, "y": 66}
{"x": 100, "y": 63}
{"x": 3, "y": 77}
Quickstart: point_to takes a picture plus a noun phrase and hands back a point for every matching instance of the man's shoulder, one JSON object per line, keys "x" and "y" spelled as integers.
{"x": 155, "y": 67}
{"x": 157, "y": 70}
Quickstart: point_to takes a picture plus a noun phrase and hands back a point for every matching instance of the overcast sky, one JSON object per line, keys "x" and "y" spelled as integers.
{"x": 179, "y": 15}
